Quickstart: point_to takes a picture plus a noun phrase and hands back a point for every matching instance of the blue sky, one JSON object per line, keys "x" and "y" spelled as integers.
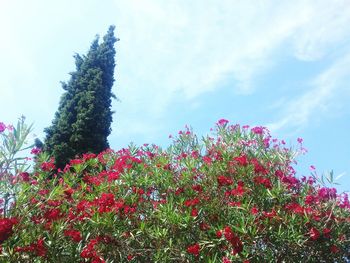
{"x": 281, "y": 64}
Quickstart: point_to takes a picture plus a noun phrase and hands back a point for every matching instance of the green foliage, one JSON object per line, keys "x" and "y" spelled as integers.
{"x": 13, "y": 143}
{"x": 82, "y": 122}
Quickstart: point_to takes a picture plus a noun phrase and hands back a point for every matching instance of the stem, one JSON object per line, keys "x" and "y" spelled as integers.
{"x": 5, "y": 203}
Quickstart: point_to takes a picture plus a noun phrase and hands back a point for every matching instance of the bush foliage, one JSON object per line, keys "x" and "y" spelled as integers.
{"x": 233, "y": 197}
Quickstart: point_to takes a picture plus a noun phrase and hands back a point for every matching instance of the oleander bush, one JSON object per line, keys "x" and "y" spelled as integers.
{"x": 232, "y": 197}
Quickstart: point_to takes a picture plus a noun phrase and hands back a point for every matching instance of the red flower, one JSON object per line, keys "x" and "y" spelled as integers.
{"x": 75, "y": 162}
{"x": 39, "y": 248}
{"x": 309, "y": 199}
{"x": 89, "y": 251}
{"x": 112, "y": 176}
{"x": 179, "y": 191}
{"x": 254, "y": 210}
{"x": 224, "y": 180}
{"x": 295, "y": 208}
{"x": 327, "y": 232}
{"x": 194, "y": 212}
{"x": 233, "y": 239}
{"x": 239, "y": 190}
{"x": 194, "y": 249}
{"x": 53, "y": 214}
{"x": 271, "y": 214}
{"x": 75, "y": 235}
{"x": 229, "y": 235}
{"x": 314, "y": 234}
{"x": 207, "y": 160}
{"x": 334, "y": 249}
{"x": 241, "y": 160}
{"x": 258, "y": 168}
{"x": 106, "y": 202}
{"x": 263, "y": 181}
{"x": 197, "y": 188}
{"x": 226, "y": 260}
{"x": 191, "y": 202}
{"x": 6, "y": 225}
{"x": 98, "y": 259}
{"x": 48, "y": 166}
{"x": 68, "y": 192}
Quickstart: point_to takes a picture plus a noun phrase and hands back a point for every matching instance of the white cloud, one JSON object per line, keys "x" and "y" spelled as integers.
{"x": 327, "y": 91}
{"x": 191, "y": 47}
{"x": 325, "y": 30}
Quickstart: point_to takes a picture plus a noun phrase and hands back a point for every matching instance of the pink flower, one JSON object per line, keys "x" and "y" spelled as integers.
{"x": 327, "y": 193}
{"x": 222, "y": 122}
{"x": 75, "y": 162}
{"x": 2, "y": 127}
{"x": 25, "y": 176}
{"x": 258, "y": 130}
{"x": 35, "y": 151}
{"x": 344, "y": 201}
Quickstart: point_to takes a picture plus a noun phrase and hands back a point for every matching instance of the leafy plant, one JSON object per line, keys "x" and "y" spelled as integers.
{"x": 13, "y": 143}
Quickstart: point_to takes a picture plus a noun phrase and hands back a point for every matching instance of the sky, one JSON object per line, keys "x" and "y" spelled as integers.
{"x": 280, "y": 64}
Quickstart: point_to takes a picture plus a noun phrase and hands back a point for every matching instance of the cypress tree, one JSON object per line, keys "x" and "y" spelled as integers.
{"x": 83, "y": 120}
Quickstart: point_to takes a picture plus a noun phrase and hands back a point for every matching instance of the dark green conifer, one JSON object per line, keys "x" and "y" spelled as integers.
{"x": 83, "y": 120}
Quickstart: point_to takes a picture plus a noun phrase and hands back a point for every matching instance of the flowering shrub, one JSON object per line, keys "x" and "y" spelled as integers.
{"x": 231, "y": 198}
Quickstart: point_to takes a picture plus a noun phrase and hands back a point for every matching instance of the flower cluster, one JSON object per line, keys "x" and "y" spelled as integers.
{"x": 6, "y": 228}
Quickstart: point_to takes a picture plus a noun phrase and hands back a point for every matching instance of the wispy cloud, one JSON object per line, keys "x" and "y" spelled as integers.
{"x": 182, "y": 48}
{"x": 327, "y": 92}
